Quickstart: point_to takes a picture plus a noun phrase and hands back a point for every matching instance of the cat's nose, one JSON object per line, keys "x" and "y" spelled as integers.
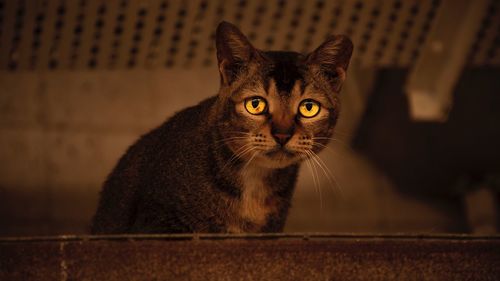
{"x": 282, "y": 130}
{"x": 282, "y": 139}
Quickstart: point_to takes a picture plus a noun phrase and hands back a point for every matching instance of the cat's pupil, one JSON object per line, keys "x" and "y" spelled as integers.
{"x": 309, "y": 106}
{"x": 255, "y": 103}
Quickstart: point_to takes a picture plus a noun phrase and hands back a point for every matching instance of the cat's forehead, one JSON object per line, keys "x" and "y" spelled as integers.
{"x": 283, "y": 78}
{"x": 284, "y": 69}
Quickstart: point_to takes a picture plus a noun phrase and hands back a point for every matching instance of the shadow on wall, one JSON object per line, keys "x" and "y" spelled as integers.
{"x": 436, "y": 163}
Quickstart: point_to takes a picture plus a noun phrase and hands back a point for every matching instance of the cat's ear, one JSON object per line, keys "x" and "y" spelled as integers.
{"x": 234, "y": 51}
{"x": 331, "y": 59}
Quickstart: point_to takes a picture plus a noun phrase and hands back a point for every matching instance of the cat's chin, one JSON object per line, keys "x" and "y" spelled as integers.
{"x": 277, "y": 159}
{"x": 280, "y": 154}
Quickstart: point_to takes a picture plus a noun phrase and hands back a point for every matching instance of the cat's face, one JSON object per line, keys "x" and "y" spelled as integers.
{"x": 276, "y": 108}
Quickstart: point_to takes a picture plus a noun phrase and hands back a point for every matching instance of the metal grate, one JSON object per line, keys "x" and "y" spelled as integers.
{"x": 110, "y": 34}
{"x": 485, "y": 50}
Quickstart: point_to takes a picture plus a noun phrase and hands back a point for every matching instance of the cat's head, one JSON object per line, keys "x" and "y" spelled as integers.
{"x": 274, "y": 107}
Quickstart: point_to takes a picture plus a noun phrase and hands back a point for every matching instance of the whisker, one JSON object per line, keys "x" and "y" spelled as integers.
{"x": 313, "y": 164}
{"x": 244, "y": 169}
{"x": 239, "y": 152}
{"x": 231, "y": 138}
{"x": 328, "y": 174}
{"x": 242, "y": 151}
{"x": 344, "y": 145}
{"x": 247, "y": 151}
{"x": 222, "y": 142}
{"x": 240, "y": 132}
{"x": 314, "y": 177}
{"x": 324, "y": 146}
{"x": 323, "y": 138}
{"x": 329, "y": 149}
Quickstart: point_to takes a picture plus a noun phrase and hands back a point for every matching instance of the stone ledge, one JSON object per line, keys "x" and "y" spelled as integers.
{"x": 251, "y": 257}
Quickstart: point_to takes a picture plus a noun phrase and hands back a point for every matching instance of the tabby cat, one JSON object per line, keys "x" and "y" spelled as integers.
{"x": 229, "y": 164}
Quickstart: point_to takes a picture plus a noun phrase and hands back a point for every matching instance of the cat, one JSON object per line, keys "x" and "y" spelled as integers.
{"x": 230, "y": 163}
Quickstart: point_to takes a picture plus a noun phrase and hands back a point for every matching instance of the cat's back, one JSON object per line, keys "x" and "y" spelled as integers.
{"x": 183, "y": 137}
{"x": 177, "y": 147}
{"x": 186, "y": 121}
{"x": 157, "y": 162}
{"x": 180, "y": 131}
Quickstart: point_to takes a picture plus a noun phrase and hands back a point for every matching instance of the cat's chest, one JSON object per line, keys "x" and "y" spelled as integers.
{"x": 256, "y": 196}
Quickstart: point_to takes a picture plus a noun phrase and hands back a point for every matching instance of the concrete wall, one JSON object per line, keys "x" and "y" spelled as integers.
{"x": 62, "y": 132}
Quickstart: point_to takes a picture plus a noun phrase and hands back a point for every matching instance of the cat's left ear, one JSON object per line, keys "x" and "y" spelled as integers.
{"x": 234, "y": 52}
{"x": 331, "y": 59}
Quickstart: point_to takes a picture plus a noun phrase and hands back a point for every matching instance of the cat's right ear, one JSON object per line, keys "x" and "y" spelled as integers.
{"x": 234, "y": 52}
{"x": 331, "y": 59}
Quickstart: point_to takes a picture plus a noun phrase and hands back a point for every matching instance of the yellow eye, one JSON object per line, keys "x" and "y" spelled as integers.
{"x": 256, "y": 105}
{"x": 309, "y": 108}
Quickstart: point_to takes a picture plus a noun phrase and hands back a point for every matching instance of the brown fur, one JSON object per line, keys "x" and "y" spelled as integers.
{"x": 215, "y": 167}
